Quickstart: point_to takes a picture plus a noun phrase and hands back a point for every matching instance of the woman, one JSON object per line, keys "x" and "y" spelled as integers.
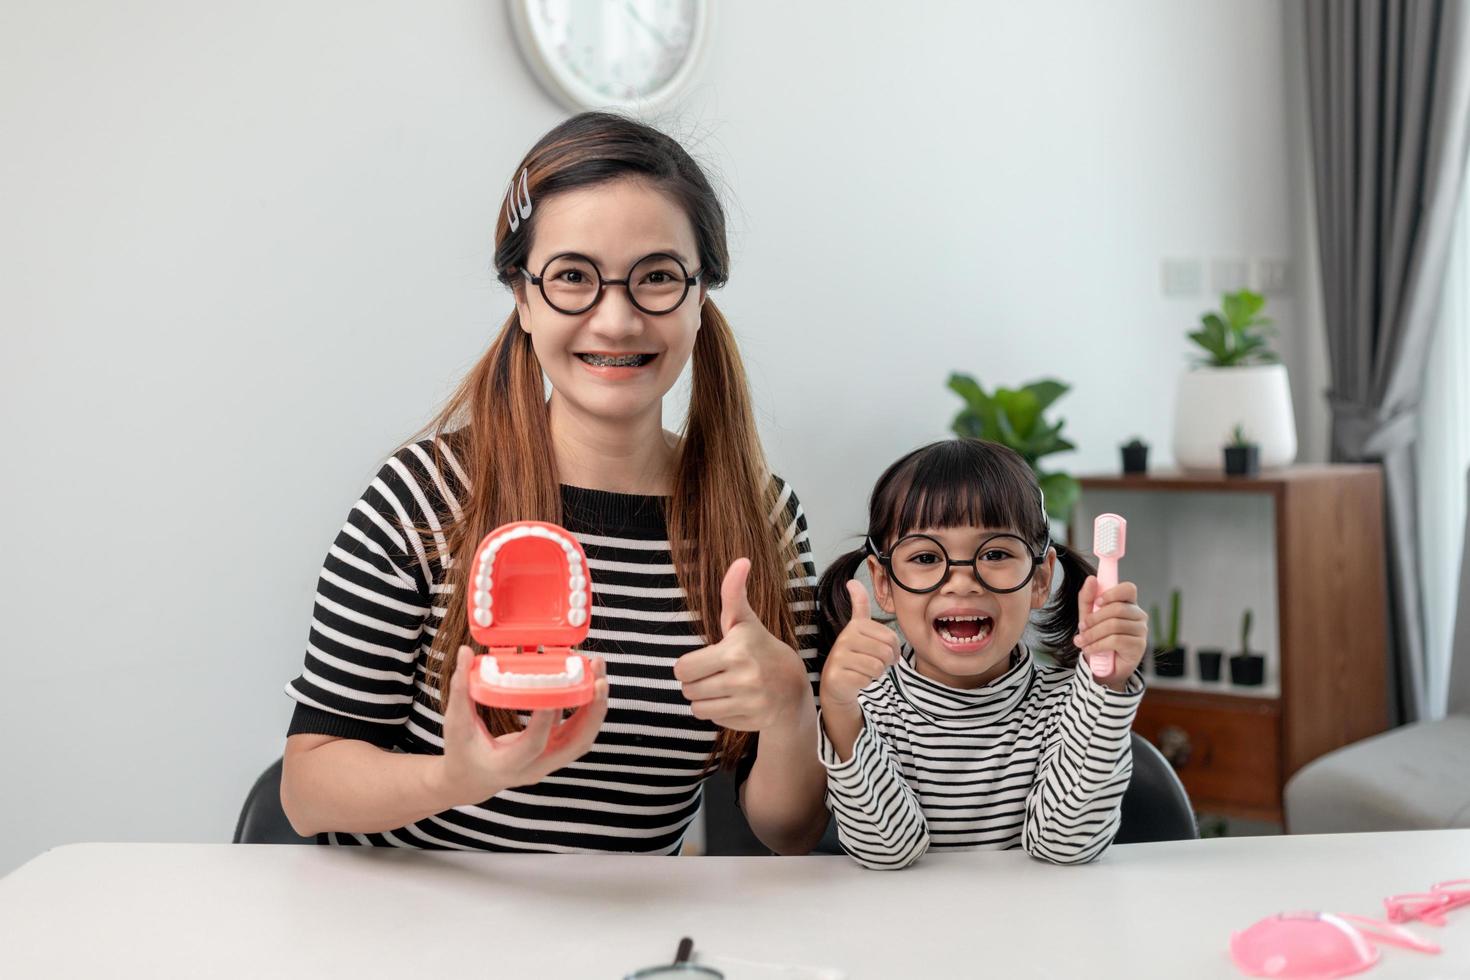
{"x": 610, "y": 239}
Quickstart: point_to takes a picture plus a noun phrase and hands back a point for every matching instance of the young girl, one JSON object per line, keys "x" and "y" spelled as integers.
{"x": 959, "y": 738}
{"x": 609, "y": 237}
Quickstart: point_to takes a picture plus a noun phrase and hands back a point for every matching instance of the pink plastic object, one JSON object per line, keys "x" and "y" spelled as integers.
{"x": 530, "y": 602}
{"x": 1429, "y": 906}
{"x": 1109, "y": 536}
{"x": 1316, "y": 945}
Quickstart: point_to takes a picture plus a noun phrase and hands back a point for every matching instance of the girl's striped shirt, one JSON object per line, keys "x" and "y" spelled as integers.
{"x": 1037, "y": 759}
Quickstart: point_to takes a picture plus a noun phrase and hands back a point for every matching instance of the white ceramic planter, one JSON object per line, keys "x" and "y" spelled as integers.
{"x": 1211, "y": 402}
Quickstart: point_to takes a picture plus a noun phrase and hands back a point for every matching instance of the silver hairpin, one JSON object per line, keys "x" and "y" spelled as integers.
{"x": 1045, "y": 519}
{"x": 523, "y": 206}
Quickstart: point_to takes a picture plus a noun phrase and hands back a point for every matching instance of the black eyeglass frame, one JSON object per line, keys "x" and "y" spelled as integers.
{"x": 886, "y": 560}
{"x": 691, "y": 279}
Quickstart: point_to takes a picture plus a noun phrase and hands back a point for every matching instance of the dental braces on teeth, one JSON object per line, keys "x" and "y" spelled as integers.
{"x": 530, "y": 604}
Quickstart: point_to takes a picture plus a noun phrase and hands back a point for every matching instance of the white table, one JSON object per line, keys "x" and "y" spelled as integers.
{"x": 1146, "y": 910}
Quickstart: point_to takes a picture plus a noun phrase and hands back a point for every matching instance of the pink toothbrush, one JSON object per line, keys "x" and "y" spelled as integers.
{"x": 1109, "y": 532}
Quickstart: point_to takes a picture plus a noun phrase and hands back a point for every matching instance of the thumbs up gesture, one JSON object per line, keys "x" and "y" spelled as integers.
{"x": 748, "y": 681}
{"x": 863, "y": 651}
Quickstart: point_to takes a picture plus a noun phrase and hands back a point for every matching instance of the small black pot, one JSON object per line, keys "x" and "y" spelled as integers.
{"x": 1209, "y": 664}
{"x": 1248, "y": 669}
{"x": 1168, "y": 661}
{"x": 1135, "y": 459}
{"x": 1242, "y": 460}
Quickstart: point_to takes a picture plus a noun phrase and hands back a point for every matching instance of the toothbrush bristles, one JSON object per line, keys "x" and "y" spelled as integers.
{"x": 1107, "y": 533}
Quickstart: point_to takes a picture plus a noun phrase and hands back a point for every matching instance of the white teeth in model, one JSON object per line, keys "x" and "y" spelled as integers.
{"x": 491, "y": 673}
{"x": 577, "y": 597}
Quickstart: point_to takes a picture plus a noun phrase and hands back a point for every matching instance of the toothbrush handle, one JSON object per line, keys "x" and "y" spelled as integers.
{"x": 1107, "y": 577}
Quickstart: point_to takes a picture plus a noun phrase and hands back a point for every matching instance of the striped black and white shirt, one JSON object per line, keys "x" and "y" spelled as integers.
{"x": 380, "y": 600}
{"x": 1037, "y": 759}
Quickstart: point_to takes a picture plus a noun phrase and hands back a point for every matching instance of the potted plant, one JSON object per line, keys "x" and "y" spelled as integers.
{"x": 1209, "y": 663}
{"x": 1169, "y": 655}
{"x": 1242, "y": 456}
{"x": 1016, "y": 418}
{"x": 1236, "y": 372}
{"x": 1135, "y": 456}
{"x": 1247, "y": 669}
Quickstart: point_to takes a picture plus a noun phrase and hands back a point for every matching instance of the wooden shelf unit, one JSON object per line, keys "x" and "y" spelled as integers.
{"x": 1325, "y": 592}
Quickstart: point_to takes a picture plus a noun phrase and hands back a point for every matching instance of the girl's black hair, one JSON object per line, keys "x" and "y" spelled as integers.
{"x": 959, "y": 483}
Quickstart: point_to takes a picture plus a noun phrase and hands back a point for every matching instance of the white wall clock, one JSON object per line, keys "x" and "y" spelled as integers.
{"x": 625, "y": 54}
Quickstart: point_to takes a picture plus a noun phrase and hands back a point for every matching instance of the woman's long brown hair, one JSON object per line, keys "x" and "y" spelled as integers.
{"x": 497, "y": 425}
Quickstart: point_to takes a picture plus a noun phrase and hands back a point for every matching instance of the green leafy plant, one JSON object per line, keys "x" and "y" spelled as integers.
{"x": 1239, "y": 438}
{"x": 1236, "y": 335}
{"x": 1016, "y": 418}
{"x": 1171, "y": 635}
{"x": 1135, "y": 443}
{"x": 1245, "y": 632}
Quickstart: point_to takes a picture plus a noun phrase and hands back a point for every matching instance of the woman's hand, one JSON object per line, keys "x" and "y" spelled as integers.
{"x": 476, "y": 765}
{"x": 863, "y": 651}
{"x": 1118, "y": 625}
{"x": 749, "y": 681}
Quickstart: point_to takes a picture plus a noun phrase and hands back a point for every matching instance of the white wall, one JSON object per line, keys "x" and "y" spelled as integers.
{"x": 245, "y": 251}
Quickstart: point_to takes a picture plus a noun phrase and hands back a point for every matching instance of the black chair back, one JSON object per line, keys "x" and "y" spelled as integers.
{"x": 1155, "y": 805}
{"x": 262, "y": 821}
{"x": 1155, "y": 808}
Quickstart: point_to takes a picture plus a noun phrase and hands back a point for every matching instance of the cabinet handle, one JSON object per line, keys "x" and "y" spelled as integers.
{"x": 1175, "y": 746}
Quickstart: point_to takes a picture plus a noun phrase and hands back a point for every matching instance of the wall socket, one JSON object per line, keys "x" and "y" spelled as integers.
{"x": 1271, "y": 277}
{"x": 1228, "y": 275}
{"x": 1181, "y": 277}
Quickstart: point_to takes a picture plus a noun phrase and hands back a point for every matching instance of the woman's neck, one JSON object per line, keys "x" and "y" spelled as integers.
{"x": 621, "y": 455}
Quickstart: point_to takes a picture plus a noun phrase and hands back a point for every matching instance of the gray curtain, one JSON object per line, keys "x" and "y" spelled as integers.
{"x": 1388, "y": 88}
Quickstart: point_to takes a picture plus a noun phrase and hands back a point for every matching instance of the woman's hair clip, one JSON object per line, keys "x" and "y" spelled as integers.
{"x": 518, "y": 210}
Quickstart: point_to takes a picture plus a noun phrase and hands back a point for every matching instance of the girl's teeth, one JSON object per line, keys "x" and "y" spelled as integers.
{"x": 982, "y": 632}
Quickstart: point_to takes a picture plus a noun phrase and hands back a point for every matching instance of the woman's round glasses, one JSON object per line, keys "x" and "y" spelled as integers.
{"x": 572, "y": 283}
{"x": 918, "y": 563}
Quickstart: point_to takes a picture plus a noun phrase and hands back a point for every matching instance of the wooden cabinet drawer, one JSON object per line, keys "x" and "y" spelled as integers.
{"x": 1231, "y": 749}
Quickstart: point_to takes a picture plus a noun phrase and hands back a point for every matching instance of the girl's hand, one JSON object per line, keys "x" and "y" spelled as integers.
{"x": 476, "y": 765}
{"x": 863, "y": 651}
{"x": 1118, "y": 625}
{"x": 749, "y": 681}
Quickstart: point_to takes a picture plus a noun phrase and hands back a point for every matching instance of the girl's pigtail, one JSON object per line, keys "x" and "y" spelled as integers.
{"x": 834, "y": 605}
{"x": 1057, "y": 623}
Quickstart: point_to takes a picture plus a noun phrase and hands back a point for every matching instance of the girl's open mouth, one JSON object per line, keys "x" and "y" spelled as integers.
{"x": 964, "y": 634}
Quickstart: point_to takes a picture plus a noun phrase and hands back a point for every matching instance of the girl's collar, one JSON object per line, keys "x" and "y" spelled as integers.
{"x": 942, "y": 702}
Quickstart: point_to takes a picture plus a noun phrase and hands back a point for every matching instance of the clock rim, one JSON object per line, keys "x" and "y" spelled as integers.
{"x": 574, "y": 94}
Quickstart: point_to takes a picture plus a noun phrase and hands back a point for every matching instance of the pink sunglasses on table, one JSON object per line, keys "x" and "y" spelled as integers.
{"x": 1321, "y": 945}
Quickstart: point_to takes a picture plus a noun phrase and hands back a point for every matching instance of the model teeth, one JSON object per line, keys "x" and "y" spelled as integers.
{"x": 577, "y": 591}
{"x": 620, "y": 360}
{"x": 491, "y": 673}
